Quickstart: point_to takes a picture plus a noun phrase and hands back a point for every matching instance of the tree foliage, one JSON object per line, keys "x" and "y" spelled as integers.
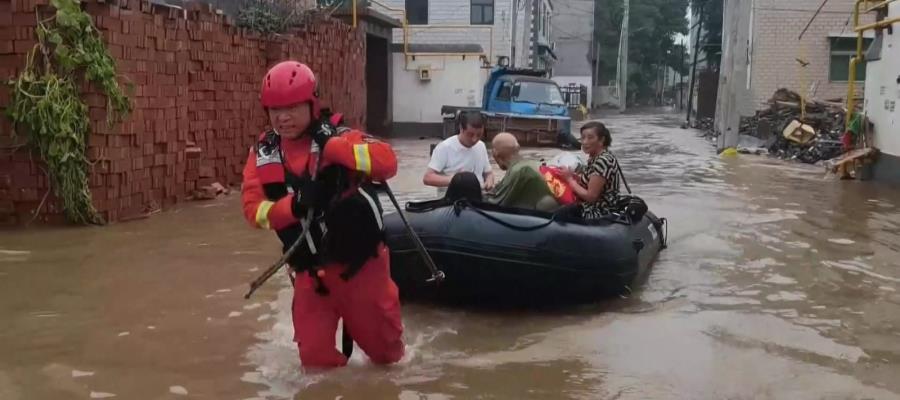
{"x": 270, "y": 16}
{"x": 711, "y": 40}
{"x": 653, "y": 25}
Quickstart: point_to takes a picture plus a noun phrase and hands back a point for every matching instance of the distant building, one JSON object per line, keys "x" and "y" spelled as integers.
{"x": 532, "y": 44}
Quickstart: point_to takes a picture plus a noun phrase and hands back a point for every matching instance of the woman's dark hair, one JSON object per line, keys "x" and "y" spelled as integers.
{"x": 600, "y": 130}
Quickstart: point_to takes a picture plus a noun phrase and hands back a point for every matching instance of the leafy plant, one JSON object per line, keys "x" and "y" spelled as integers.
{"x": 46, "y": 104}
{"x": 269, "y": 16}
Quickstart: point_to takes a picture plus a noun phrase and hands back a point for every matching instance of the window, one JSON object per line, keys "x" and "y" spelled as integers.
{"x": 842, "y": 50}
{"x": 538, "y": 93}
{"x": 505, "y": 91}
{"x": 417, "y": 12}
{"x": 482, "y": 12}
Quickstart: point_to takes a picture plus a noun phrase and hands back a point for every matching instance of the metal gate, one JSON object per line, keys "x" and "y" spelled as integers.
{"x": 574, "y": 95}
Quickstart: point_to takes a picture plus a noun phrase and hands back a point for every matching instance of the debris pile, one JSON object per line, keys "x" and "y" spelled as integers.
{"x": 209, "y": 192}
{"x": 787, "y": 135}
{"x": 707, "y": 125}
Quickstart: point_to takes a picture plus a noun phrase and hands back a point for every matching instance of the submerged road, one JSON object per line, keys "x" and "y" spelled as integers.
{"x": 778, "y": 284}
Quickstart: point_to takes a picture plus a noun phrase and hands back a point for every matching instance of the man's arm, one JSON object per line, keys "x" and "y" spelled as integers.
{"x": 434, "y": 178}
{"x": 488, "y": 180}
{"x": 360, "y": 152}
{"x": 488, "y": 173}
{"x": 433, "y": 175}
{"x": 259, "y": 211}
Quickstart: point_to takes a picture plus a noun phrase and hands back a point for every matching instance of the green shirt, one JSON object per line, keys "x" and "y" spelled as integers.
{"x": 523, "y": 187}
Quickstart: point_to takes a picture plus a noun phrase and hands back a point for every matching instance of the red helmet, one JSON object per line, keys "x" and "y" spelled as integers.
{"x": 289, "y": 83}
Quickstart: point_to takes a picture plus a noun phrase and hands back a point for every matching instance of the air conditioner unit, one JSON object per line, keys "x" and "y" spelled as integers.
{"x": 424, "y": 72}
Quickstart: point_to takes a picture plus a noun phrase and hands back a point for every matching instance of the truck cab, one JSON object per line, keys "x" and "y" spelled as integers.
{"x": 521, "y": 94}
{"x": 524, "y": 103}
{"x": 527, "y": 104}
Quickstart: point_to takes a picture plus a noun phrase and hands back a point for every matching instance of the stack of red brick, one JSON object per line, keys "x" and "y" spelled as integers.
{"x": 196, "y": 111}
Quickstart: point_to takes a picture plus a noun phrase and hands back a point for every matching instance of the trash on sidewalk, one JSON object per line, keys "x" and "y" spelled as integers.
{"x": 752, "y": 145}
{"x": 799, "y": 132}
{"x": 814, "y": 139}
{"x": 853, "y": 164}
{"x": 707, "y": 126}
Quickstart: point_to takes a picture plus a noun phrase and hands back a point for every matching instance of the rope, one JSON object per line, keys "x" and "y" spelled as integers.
{"x": 625, "y": 181}
{"x": 460, "y": 204}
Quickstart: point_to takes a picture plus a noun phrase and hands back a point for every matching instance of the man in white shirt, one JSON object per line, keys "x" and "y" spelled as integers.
{"x": 464, "y": 152}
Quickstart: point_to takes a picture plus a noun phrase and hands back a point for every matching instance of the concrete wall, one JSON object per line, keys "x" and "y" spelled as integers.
{"x": 196, "y": 108}
{"x": 573, "y": 25}
{"x": 777, "y": 26}
{"x": 458, "y": 12}
{"x": 454, "y": 82}
{"x": 605, "y": 96}
{"x": 882, "y": 98}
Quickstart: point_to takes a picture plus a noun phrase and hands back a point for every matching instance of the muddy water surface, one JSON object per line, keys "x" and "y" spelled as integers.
{"x": 778, "y": 283}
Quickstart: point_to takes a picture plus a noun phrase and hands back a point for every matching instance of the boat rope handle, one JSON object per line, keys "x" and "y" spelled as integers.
{"x": 462, "y": 203}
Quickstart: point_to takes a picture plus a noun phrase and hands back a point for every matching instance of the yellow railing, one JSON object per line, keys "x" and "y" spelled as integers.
{"x": 879, "y": 5}
{"x": 851, "y": 86}
{"x": 489, "y": 29}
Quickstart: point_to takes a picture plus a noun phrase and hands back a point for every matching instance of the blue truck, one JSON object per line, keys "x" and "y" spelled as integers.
{"x": 523, "y": 102}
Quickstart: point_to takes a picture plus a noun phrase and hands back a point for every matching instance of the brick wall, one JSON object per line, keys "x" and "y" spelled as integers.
{"x": 777, "y": 26}
{"x": 196, "y": 111}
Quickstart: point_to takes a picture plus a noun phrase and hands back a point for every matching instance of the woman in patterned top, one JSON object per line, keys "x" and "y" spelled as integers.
{"x": 597, "y": 185}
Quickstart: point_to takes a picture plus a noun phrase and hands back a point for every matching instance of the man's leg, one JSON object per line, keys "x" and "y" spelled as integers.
{"x": 315, "y": 323}
{"x": 372, "y": 311}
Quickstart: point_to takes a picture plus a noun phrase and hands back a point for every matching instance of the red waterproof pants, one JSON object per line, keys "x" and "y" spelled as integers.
{"x": 368, "y": 303}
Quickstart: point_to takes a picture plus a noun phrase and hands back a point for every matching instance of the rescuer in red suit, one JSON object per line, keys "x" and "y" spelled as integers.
{"x": 342, "y": 265}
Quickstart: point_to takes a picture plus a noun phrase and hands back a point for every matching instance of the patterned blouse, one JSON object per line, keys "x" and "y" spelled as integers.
{"x": 605, "y": 165}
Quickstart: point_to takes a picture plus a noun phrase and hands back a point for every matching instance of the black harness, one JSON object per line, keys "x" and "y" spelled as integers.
{"x": 348, "y": 231}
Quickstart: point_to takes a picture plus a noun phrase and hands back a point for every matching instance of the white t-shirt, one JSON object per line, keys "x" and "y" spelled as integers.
{"x": 450, "y": 157}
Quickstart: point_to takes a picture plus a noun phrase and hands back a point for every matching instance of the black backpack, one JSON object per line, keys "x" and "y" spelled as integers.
{"x": 631, "y": 206}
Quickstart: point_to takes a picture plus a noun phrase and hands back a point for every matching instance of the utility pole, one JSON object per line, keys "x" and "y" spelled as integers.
{"x": 623, "y": 59}
{"x": 665, "y": 80}
{"x": 512, "y": 46}
{"x": 681, "y": 76}
{"x": 694, "y": 67}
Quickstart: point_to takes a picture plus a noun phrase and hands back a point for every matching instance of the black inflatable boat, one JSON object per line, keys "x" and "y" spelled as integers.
{"x": 502, "y": 255}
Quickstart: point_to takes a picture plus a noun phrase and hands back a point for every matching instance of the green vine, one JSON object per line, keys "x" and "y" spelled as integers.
{"x": 46, "y": 102}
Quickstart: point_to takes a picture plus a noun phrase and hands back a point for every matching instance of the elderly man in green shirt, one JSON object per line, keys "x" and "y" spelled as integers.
{"x": 522, "y": 186}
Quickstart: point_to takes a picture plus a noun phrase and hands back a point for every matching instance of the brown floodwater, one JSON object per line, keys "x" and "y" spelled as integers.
{"x": 779, "y": 283}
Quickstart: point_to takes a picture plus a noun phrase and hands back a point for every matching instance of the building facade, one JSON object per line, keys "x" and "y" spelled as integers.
{"x": 487, "y": 23}
{"x": 763, "y": 51}
{"x": 532, "y": 34}
{"x": 882, "y": 94}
